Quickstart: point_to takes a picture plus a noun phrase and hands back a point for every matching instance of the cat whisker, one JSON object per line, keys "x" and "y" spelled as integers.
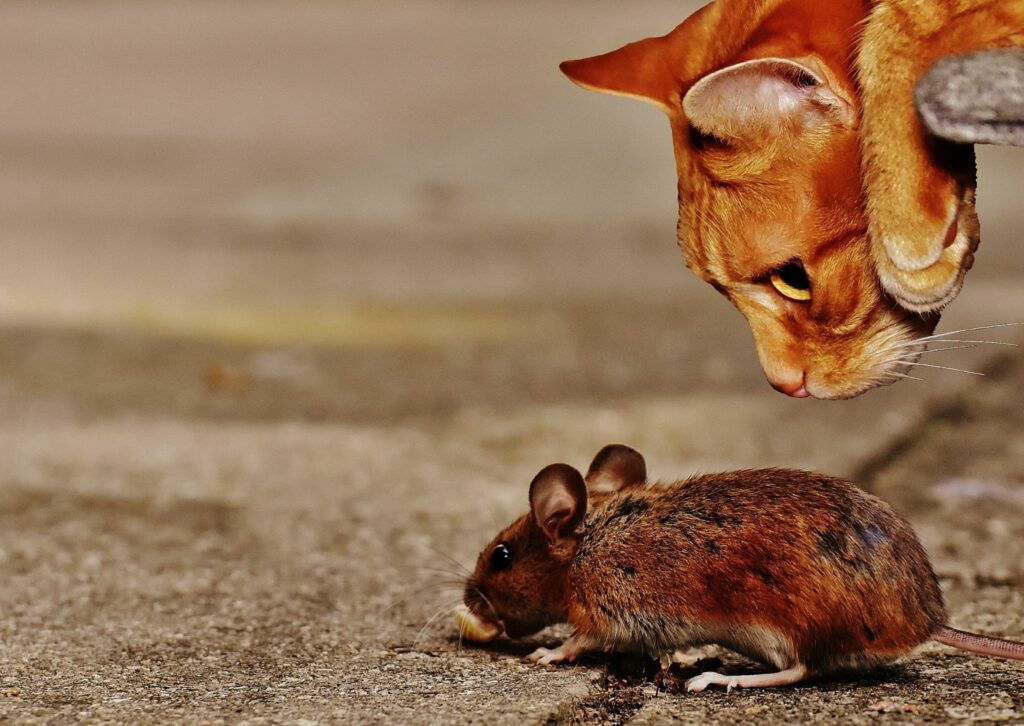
{"x": 952, "y": 347}
{"x": 966, "y": 330}
{"x": 981, "y": 342}
{"x": 904, "y": 375}
{"x": 911, "y": 344}
{"x": 945, "y": 368}
{"x": 907, "y": 345}
{"x": 945, "y": 338}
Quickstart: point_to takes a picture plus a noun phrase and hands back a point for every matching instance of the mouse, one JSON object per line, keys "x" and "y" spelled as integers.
{"x": 804, "y": 573}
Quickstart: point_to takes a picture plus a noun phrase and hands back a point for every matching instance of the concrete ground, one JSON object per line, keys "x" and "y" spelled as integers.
{"x": 296, "y": 298}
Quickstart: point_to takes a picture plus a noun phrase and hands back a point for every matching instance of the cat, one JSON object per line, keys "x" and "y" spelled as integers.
{"x": 764, "y": 99}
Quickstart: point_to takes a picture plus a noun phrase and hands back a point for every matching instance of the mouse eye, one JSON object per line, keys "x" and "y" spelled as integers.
{"x": 791, "y": 281}
{"x": 501, "y": 557}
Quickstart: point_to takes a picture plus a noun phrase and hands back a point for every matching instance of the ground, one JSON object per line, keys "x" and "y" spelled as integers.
{"x": 296, "y": 299}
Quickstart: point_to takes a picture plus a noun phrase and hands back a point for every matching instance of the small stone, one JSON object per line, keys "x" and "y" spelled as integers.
{"x": 892, "y": 707}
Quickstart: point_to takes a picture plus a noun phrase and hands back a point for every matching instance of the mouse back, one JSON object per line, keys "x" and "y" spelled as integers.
{"x": 809, "y": 565}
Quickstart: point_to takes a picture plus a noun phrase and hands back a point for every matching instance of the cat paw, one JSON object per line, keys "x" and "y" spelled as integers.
{"x": 914, "y": 206}
{"x": 931, "y": 287}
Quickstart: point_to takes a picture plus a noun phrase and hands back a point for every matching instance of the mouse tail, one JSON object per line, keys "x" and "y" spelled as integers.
{"x": 983, "y": 644}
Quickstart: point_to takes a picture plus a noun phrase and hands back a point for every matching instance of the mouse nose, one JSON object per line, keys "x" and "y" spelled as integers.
{"x": 793, "y": 384}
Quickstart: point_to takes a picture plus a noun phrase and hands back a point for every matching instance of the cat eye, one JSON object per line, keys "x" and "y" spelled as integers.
{"x": 501, "y": 557}
{"x": 791, "y": 281}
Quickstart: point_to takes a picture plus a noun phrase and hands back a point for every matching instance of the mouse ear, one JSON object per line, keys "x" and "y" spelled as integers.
{"x": 558, "y": 501}
{"x": 616, "y": 467}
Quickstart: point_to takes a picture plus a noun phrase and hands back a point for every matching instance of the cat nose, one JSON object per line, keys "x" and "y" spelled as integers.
{"x": 792, "y": 385}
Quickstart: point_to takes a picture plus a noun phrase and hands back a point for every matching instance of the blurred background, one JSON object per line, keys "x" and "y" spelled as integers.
{"x": 295, "y": 295}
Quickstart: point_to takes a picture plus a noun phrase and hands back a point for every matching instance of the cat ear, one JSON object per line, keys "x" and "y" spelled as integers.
{"x": 616, "y": 467}
{"x": 641, "y": 70}
{"x": 558, "y": 501}
{"x": 761, "y": 96}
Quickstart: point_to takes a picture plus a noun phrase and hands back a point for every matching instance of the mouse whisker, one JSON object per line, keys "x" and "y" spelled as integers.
{"x": 433, "y": 618}
{"x": 395, "y": 604}
{"x": 449, "y": 577}
{"x": 487, "y": 600}
{"x": 495, "y": 519}
{"x": 458, "y": 565}
{"x": 404, "y": 599}
{"x": 460, "y": 576}
{"x": 450, "y": 585}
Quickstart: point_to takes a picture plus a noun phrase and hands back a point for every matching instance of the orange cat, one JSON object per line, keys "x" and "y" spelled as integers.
{"x": 764, "y": 107}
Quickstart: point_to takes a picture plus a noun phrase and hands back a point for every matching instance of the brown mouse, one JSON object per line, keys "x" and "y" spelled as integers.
{"x": 803, "y": 572}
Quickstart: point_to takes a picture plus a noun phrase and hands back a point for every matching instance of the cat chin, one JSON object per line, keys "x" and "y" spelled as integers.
{"x": 854, "y": 386}
{"x": 853, "y": 392}
{"x": 849, "y": 388}
{"x": 844, "y": 366}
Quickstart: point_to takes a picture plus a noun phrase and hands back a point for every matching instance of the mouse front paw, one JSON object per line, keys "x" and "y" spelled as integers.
{"x": 567, "y": 652}
{"x": 546, "y": 656}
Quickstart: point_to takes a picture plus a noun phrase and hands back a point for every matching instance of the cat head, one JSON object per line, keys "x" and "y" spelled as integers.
{"x": 764, "y": 117}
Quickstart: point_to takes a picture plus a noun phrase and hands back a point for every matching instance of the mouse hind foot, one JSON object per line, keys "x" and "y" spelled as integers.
{"x": 787, "y": 677}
